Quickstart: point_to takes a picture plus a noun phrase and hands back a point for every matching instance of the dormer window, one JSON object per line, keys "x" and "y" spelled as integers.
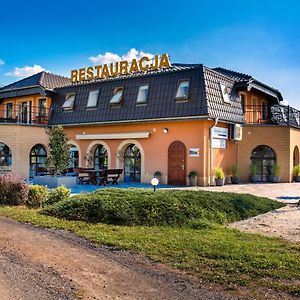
{"x": 93, "y": 99}
{"x": 117, "y": 96}
{"x": 225, "y": 90}
{"x": 142, "y": 94}
{"x": 183, "y": 90}
{"x": 69, "y": 102}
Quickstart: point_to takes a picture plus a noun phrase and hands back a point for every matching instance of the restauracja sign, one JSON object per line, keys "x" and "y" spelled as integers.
{"x": 121, "y": 68}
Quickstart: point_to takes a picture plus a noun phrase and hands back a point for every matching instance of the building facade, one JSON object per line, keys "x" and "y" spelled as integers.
{"x": 174, "y": 120}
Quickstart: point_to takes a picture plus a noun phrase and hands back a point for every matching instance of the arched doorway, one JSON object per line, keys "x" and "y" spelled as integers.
{"x": 264, "y": 158}
{"x": 296, "y": 156}
{"x": 177, "y": 163}
{"x": 132, "y": 164}
{"x": 37, "y": 159}
{"x": 5, "y": 158}
{"x": 100, "y": 158}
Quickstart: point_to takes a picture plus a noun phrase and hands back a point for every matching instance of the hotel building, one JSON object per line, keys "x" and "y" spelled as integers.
{"x": 176, "y": 119}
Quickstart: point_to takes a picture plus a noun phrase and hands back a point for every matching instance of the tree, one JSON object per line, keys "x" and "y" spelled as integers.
{"x": 59, "y": 155}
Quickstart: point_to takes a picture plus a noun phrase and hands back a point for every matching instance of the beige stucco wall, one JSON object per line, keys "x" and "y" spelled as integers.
{"x": 281, "y": 139}
{"x": 20, "y": 139}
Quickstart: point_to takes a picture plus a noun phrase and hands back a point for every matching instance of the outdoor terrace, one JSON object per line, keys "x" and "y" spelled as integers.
{"x": 272, "y": 115}
{"x": 24, "y": 114}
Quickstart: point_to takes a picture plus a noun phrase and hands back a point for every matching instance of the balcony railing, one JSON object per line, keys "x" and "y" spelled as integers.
{"x": 24, "y": 115}
{"x": 272, "y": 115}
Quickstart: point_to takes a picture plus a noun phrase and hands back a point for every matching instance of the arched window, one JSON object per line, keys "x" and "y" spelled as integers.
{"x": 5, "y": 158}
{"x": 132, "y": 163}
{"x": 296, "y": 156}
{"x": 100, "y": 158}
{"x": 37, "y": 159}
{"x": 74, "y": 155}
{"x": 264, "y": 158}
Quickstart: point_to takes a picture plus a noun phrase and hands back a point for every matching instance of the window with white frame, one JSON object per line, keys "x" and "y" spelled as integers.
{"x": 183, "y": 90}
{"x": 69, "y": 102}
{"x": 117, "y": 96}
{"x": 143, "y": 94}
{"x": 225, "y": 90}
{"x": 93, "y": 99}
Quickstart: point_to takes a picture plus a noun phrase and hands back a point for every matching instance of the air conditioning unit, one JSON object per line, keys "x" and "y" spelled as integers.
{"x": 236, "y": 132}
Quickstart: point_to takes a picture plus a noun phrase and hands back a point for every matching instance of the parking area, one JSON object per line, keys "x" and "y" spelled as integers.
{"x": 284, "y": 192}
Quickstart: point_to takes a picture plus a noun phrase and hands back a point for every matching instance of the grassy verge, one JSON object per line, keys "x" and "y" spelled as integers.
{"x": 215, "y": 254}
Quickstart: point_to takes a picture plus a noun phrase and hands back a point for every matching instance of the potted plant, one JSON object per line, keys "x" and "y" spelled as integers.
{"x": 58, "y": 160}
{"x": 296, "y": 173}
{"x": 235, "y": 174}
{"x": 157, "y": 174}
{"x": 276, "y": 173}
{"x": 193, "y": 178}
{"x": 219, "y": 177}
{"x": 253, "y": 173}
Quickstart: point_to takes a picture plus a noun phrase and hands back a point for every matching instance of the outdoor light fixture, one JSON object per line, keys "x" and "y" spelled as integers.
{"x": 165, "y": 130}
{"x": 154, "y": 182}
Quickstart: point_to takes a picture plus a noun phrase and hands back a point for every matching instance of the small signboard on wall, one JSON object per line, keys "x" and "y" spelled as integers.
{"x": 194, "y": 152}
{"x": 220, "y": 133}
{"x": 219, "y": 144}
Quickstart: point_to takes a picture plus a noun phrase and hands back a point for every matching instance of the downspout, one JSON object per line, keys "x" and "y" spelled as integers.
{"x": 211, "y": 131}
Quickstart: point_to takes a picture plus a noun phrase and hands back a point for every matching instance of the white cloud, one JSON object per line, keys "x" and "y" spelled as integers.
{"x": 109, "y": 57}
{"x": 2, "y": 62}
{"x": 26, "y": 71}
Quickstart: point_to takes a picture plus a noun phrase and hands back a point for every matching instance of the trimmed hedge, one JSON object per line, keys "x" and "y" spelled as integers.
{"x": 161, "y": 208}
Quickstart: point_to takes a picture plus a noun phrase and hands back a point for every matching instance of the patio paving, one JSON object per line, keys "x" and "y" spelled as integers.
{"x": 284, "y": 192}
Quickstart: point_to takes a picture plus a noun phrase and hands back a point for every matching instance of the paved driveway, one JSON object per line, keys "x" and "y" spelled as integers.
{"x": 285, "y": 192}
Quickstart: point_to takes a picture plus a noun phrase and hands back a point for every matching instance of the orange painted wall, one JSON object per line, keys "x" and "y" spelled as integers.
{"x": 194, "y": 134}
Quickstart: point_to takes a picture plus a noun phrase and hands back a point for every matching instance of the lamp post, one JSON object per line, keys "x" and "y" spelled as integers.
{"x": 154, "y": 182}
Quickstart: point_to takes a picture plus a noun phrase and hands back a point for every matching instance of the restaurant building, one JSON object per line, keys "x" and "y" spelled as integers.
{"x": 169, "y": 118}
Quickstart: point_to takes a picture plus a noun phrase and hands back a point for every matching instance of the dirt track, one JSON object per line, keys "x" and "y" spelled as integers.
{"x": 47, "y": 264}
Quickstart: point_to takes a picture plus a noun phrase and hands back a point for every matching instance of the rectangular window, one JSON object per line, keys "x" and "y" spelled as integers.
{"x": 9, "y": 110}
{"x": 143, "y": 94}
{"x": 42, "y": 107}
{"x": 93, "y": 99}
{"x": 183, "y": 90}
{"x": 117, "y": 96}
{"x": 225, "y": 90}
{"x": 243, "y": 102}
{"x": 69, "y": 102}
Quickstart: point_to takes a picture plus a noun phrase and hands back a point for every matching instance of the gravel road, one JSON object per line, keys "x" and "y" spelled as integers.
{"x": 51, "y": 264}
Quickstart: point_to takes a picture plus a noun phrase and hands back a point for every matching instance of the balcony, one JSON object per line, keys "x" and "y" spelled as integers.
{"x": 24, "y": 114}
{"x": 272, "y": 115}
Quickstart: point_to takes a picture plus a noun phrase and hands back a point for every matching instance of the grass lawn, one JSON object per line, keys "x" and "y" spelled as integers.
{"x": 214, "y": 254}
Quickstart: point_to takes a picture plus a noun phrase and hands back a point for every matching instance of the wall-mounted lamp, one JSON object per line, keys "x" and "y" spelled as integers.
{"x": 165, "y": 130}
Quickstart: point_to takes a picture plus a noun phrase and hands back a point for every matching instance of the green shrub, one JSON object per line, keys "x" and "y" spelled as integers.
{"x": 37, "y": 196}
{"x": 296, "y": 170}
{"x": 13, "y": 190}
{"x": 58, "y": 194}
{"x": 219, "y": 173}
{"x": 276, "y": 170}
{"x": 162, "y": 208}
{"x": 253, "y": 169}
{"x": 157, "y": 174}
{"x": 193, "y": 174}
{"x": 234, "y": 170}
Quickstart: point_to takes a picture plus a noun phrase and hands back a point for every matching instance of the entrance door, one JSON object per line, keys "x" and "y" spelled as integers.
{"x": 177, "y": 164}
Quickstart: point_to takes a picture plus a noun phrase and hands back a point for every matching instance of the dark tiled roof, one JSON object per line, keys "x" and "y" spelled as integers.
{"x": 205, "y": 98}
{"x": 236, "y": 76}
{"x": 43, "y": 79}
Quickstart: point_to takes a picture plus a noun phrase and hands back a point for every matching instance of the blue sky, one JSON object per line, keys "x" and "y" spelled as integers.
{"x": 261, "y": 38}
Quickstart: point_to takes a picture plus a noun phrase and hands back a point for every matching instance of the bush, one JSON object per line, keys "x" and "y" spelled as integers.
{"x": 219, "y": 173}
{"x": 296, "y": 170}
{"x": 234, "y": 170}
{"x": 161, "y": 208}
{"x": 58, "y": 194}
{"x": 13, "y": 191}
{"x": 37, "y": 196}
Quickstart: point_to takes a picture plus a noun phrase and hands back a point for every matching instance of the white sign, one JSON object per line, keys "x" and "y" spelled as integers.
{"x": 194, "y": 152}
{"x": 219, "y": 144}
{"x": 220, "y": 133}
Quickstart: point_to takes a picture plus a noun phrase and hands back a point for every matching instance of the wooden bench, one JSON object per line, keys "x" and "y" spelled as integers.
{"x": 109, "y": 175}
